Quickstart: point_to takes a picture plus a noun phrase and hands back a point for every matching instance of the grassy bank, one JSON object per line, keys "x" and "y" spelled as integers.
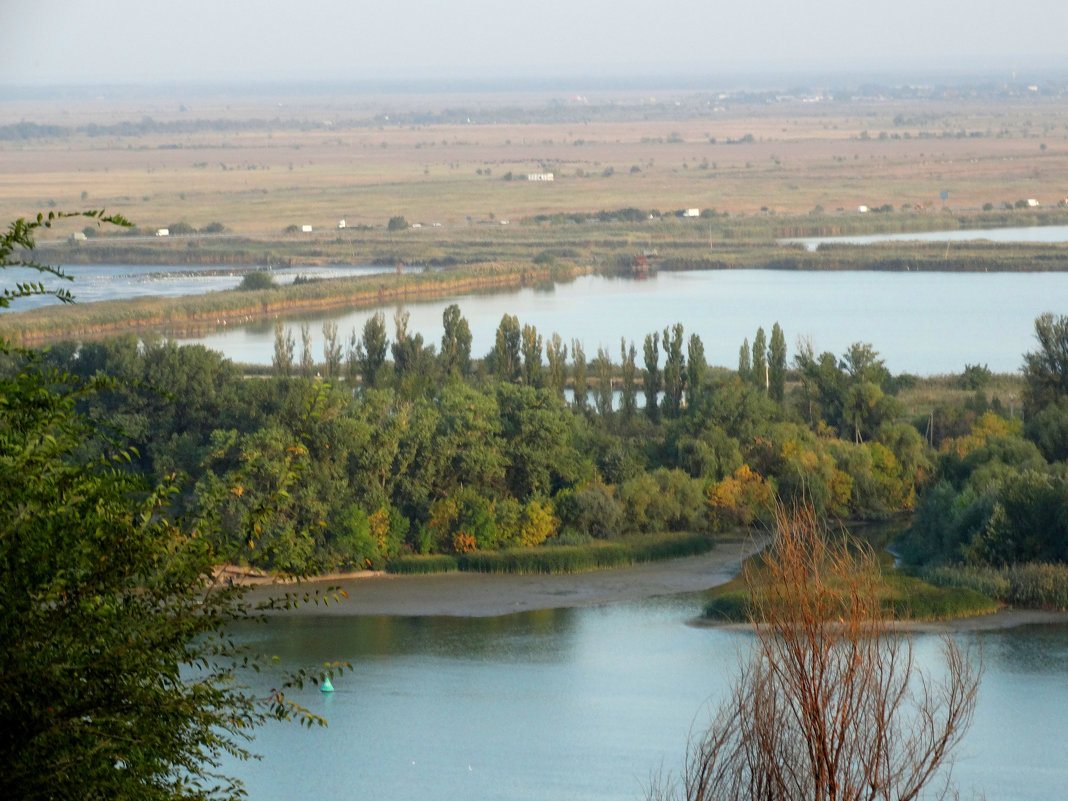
{"x": 1032, "y": 585}
{"x": 194, "y": 315}
{"x": 903, "y": 597}
{"x": 562, "y": 558}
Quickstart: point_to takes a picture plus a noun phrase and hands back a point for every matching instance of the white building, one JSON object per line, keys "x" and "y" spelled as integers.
{"x": 692, "y": 213}
{"x": 540, "y": 176}
{"x": 305, "y": 229}
{"x": 163, "y": 232}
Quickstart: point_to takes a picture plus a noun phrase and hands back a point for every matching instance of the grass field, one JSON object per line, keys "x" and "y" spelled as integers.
{"x": 314, "y": 162}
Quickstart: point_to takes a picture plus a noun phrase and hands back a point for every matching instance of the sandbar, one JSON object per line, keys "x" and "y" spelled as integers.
{"x": 467, "y": 594}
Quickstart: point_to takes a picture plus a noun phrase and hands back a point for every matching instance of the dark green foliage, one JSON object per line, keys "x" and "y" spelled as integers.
{"x": 397, "y": 223}
{"x": 504, "y": 361}
{"x": 371, "y": 350}
{"x": 1046, "y": 369}
{"x": 455, "y": 343}
{"x": 674, "y": 371}
{"x": 260, "y": 279}
{"x": 651, "y": 382}
{"x": 1048, "y": 429}
{"x": 777, "y": 364}
{"x": 759, "y": 369}
{"x": 580, "y": 387}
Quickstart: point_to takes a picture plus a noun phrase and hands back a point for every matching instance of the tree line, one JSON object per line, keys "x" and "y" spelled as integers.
{"x": 420, "y": 448}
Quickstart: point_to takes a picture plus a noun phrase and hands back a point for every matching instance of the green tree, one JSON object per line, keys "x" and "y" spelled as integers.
{"x": 556, "y": 356}
{"x": 604, "y": 391}
{"x": 397, "y": 223}
{"x": 628, "y": 398}
{"x": 117, "y": 677}
{"x": 504, "y": 360}
{"x": 745, "y": 362}
{"x": 759, "y": 374}
{"x": 1045, "y": 370}
{"x": 282, "y": 361}
{"x": 371, "y": 351}
{"x": 777, "y": 365}
{"x": 674, "y": 370}
{"x": 531, "y": 349}
{"x": 651, "y": 380}
{"x": 696, "y": 370}
{"x": 580, "y": 387}
{"x": 307, "y": 358}
{"x": 455, "y": 343}
{"x": 331, "y": 350}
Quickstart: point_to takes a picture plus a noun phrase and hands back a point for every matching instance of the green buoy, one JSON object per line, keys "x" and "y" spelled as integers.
{"x": 326, "y": 686}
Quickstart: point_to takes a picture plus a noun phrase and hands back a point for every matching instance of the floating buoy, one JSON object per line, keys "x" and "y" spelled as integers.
{"x": 326, "y": 686}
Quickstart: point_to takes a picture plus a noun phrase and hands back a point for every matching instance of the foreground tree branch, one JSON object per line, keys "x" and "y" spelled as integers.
{"x": 831, "y": 706}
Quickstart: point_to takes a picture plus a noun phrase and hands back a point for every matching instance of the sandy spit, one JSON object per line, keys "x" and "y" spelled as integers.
{"x": 491, "y": 594}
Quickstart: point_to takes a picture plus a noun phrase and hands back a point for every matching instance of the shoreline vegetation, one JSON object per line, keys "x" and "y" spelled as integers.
{"x": 534, "y": 262}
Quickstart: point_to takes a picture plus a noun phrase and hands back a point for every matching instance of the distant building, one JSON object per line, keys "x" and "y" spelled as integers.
{"x": 78, "y": 236}
{"x": 540, "y": 176}
{"x": 863, "y": 209}
{"x": 692, "y": 213}
{"x": 305, "y": 229}
{"x": 340, "y": 223}
{"x": 1032, "y": 203}
{"x": 163, "y": 232}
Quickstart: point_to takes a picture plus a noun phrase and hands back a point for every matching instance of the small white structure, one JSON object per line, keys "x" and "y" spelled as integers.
{"x": 862, "y": 209}
{"x": 163, "y": 232}
{"x": 1032, "y": 203}
{"x": 305, "y": 229}
{"x": 340, "y": 224}
{"x": 78, "y": 236}
{"x": 692, "y": 213}
{"x": 540, "y": 176}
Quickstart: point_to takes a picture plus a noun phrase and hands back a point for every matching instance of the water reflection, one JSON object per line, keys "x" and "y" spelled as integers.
{"x": 583, "y": 704}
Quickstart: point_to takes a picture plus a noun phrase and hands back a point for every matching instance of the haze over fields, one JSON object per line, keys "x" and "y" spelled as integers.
{"x": 123, "y": 41}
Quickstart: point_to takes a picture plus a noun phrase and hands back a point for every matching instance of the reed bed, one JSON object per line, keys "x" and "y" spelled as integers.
{"x": 596, "y": 555}
{"x": 1035, "y": 585}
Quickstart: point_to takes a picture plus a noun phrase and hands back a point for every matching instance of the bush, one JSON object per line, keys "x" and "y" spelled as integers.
{"x": 260, "y": 279}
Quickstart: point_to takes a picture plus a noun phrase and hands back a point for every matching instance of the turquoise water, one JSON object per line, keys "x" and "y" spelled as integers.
{"x": 583, "y": 704}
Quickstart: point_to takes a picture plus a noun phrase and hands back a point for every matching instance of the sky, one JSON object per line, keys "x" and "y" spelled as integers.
{"x": 75, "y": 42}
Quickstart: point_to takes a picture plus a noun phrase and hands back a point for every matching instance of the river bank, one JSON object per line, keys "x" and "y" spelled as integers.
{"x": 466, "y": 594}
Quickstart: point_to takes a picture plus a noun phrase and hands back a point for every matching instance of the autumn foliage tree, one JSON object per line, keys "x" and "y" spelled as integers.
{"x": 831, "y": 706}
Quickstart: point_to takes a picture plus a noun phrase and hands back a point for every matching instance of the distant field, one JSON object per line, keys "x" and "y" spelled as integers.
{"x": 783, "y": 159}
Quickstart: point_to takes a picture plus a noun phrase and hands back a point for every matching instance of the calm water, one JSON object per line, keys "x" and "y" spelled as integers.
{"x": 583, "y": 704}
{"x": 1044, "y": 234}
{"x": 922, "y": 323}
{"x": 108, "y": 281}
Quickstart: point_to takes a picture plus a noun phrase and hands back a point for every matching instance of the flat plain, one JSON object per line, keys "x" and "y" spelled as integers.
{"x": 259, "y": 165}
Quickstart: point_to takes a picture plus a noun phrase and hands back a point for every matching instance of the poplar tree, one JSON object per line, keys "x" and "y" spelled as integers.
{"x": 759, "y": 375}
{"x": 651, "y": 380}
{"x": 777, "y": 365}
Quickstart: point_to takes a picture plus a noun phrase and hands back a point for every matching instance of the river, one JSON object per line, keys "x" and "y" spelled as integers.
{"x": 583, "y": 704}
{"x": 921, "y": 323}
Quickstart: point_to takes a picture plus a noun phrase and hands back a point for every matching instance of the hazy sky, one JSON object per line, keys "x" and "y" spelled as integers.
{"x": 123, "y": 41}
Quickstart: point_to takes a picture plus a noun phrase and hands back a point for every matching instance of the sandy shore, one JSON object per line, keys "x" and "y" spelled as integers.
{"x": 486, "y": 595}
{"x": 489, "y": 594}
